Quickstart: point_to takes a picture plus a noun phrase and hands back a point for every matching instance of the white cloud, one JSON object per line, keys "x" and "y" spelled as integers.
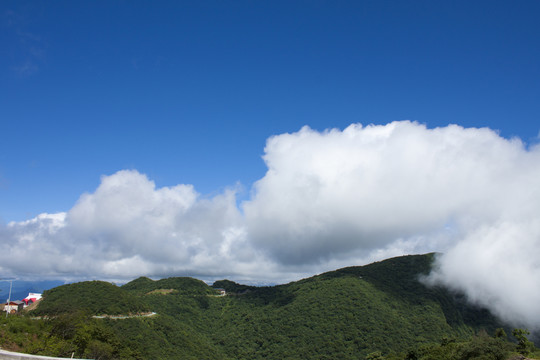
{"x": 128, "y": 228}
{"x": 366, "y": 187}
{"x": 329, "y": 199}
{"x": 497, "y": 266}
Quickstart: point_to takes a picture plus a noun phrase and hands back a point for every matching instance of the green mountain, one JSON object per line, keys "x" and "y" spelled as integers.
{"x": 93, "y": 297}
{"x": 381, "y": 308}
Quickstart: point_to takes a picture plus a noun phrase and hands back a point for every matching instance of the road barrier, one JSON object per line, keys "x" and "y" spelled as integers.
{"x": 8, "y": 355}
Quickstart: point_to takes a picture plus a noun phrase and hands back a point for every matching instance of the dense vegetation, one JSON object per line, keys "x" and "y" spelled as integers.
{"x": 376, "y": 311}
{"x": 66, "y": 335}
{"x": 93, "y": 297}
{"x": 180, "y": 285}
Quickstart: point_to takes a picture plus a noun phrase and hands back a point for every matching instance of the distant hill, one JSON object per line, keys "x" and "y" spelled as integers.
{"x": 346, "y": 314}
{"x": 181, "y": 285}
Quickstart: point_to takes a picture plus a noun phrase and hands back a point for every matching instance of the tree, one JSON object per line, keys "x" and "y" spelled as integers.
{"x": 376, "y": 355}
{"x": 500, "y": 333}
{"x": 524, "y": 346}
{"x": 484, "y": 347}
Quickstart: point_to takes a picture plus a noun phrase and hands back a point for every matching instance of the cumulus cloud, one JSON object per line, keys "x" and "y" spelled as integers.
{"x": 329, "y": 199}
{"x": 128, "y": 228}
{"x": 365, "y": 187}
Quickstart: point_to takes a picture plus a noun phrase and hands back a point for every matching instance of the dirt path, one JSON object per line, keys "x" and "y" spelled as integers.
{"x": 120, "y": 317}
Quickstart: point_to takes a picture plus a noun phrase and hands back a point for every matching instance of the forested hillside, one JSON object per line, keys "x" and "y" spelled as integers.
{"x": 377, "y": 310}
{"x": 92, "y": 297}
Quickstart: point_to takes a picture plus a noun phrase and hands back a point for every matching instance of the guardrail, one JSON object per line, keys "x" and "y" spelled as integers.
{"x": 9, "y": 355}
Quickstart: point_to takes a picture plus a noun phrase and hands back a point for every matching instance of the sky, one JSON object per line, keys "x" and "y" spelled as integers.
{"x": 266, "y": 141}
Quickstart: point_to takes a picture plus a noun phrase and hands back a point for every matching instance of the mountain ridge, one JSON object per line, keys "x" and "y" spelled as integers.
{"x": 347, "y": 313}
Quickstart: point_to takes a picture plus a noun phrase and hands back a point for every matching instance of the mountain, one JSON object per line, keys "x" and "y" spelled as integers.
{"x": 346, "y": 314}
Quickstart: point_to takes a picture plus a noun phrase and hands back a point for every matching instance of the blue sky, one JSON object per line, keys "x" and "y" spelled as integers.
{"x": 188, "y": 92}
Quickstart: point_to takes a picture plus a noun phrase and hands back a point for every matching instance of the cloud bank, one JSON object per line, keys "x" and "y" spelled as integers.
{"x": 329, "y": 199}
